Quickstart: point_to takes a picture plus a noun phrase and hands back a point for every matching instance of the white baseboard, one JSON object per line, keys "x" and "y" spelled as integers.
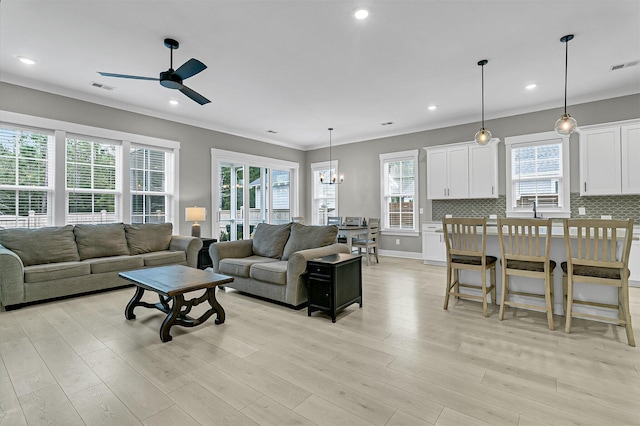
{"x": 404, "y": 254}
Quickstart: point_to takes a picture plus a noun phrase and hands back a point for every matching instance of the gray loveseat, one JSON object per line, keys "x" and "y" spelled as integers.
{"x": 272, "y": 264}
{"x": 44, "y": 263}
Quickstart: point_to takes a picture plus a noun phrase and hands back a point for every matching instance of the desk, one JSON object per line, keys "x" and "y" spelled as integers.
{"x": 350, "y": 231}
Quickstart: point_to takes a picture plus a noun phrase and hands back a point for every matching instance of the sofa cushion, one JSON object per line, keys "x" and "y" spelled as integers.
{"x": 115, "y": 264}
{"x": 240, "y": 266}
{"x": 100, "y": 240}
{"x": 305, "y": 237}
{"x": 272, "y": 272}
{"x": 269, "y": 240}
{"x": 41, "y": 245}
{"x": 148, "y": 237}
{"x": 159, "y": 258}
{"x": 55, "y": 271}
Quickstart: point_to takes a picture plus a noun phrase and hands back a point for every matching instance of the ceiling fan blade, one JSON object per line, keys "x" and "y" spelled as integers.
{"x": 190, "y": 68}
{"x": 135, "y": 77}
{"x": 194, "y": 95}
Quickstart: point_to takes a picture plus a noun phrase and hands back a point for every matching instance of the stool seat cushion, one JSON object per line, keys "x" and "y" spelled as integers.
{"x": 473, "y": 260}
{"x": 524, "y": 265}
{"x": 593, "y": 271}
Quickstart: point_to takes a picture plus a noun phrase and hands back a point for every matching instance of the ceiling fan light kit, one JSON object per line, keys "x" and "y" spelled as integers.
{"x": 173, "y": 79}
{"x": 566, "y": 124}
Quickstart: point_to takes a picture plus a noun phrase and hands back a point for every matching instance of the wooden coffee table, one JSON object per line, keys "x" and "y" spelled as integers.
{"x": 171, "y": 283}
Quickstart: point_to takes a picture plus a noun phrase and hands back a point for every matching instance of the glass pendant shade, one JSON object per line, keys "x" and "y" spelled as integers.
{"x": 566, "y": 125}
{"x": 483, "y": 137}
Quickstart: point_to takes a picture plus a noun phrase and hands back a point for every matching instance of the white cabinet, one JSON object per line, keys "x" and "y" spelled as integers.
{"x": 462, "y": 171}
{"x": 448, "y": 173}
{"x": 634, "y": 263}
{"x": 434, "y": 249}
{"x": 608, "y": 160}
{"x": 483, "y": 171}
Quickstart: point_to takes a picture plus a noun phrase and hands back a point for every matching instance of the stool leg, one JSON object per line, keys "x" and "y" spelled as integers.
{"x": 484, "y": 294}
{"x": 446, "y": 295}
{"x": 548, "y": 296}
{"x": 564, "y": 293}
{"x": 492, "y": 277}
{"x": 567, "y": 327}
{"x": 505, "y": 290}
{"x": 627, "y": 313}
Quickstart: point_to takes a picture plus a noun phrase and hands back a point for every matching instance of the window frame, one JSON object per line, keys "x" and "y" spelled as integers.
{"x": 564, "y": 189}
{"x": 315, "y": 185}
{"x": 384, "y": 216}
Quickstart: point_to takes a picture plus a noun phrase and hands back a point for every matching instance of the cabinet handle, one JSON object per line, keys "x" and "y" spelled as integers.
{"x": 491, "y": 189}
{"x": 445, "y": 192}
{"x": 585, "y": 187}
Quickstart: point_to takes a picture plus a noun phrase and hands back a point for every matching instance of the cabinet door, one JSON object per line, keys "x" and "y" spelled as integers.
{"x": 483, "y": 171}
{"x": 630, "y": 152}
{"x": 634, "y": 263}
{"x": 434, "y": 248}
{"x": 600, "y": 162}
{"x": 437, "y": 174}
{"x": 458, "y": 172}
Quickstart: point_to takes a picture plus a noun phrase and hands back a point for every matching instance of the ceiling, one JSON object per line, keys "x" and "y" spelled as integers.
{"x": 299, "y": 67}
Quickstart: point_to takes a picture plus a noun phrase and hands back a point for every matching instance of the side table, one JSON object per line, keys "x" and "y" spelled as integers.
{"x": 334, "y": 282}
{"x": 204, "y": 260}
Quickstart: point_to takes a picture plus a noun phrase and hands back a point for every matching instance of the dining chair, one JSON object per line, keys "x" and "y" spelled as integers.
{"x": 353, "y": 221}
{"x": 466, "y": 241}
{"x": 297, "y": 219}
{"x": 334, "y": 220}
{"x": 370, "y": 241}
{"x": 525, "y": 246}
{"x": 599, "y": 255}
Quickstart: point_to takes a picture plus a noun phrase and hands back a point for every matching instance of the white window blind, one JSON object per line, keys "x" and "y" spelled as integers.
{"x": 151, "y": 181}
{"x": 536, "y": 175}
{"x": 26, "y": 177}
{"x": 92, "y": 180}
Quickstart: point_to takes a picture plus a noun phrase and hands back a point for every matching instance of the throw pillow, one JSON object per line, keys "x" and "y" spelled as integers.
{"x": 100, "y": 240}
{"x": 148, "y": 237}
{"x": 269, "y": 240}
{"x": 41, "y": 245}
{"x": 305, "y": 237}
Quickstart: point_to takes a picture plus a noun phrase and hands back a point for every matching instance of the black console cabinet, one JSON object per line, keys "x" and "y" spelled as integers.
{"x": 334, "y": 282}
{"x": 204, "y": 260}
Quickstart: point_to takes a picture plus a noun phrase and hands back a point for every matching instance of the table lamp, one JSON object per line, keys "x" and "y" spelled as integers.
{"x": 194, "y": 214}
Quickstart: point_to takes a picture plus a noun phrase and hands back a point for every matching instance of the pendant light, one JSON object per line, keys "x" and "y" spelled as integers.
{"x": 483, "y": 136}
{"x": 566, "y": 124}
{"x": 334, "y": 179}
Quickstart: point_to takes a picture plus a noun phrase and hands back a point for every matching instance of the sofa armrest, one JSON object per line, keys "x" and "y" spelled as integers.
{"x": 190, "y": 245}
{"x": 225, "y": 249}
{"x": 297, "y": 265}
{"x": 11, "y": 278}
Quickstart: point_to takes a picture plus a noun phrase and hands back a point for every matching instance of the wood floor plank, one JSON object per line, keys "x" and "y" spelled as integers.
{"x": 25, "y": 367}
{"x": 267, "y": 412}
{"x": 49, "y": 406}
{"x": 400, "y": 418}
{"x": 156, "y": 369}
{"x": 451, "y": 417}
{"x": 172, "y": 416}
{"x": 11, "y": 413}
{"x": 81, "y": 340}
{"x": 232, "y": 391}
{"x": 323, "y": 412}
{"x": 97, "y": 405}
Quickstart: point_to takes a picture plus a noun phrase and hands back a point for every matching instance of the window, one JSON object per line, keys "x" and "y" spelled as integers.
{"x": 82, "y": 174}
{"x": 26, "y": 177}
{"x": 537, "y": 173}
{"x": 325, "y": 197}
{"x": 93, "y": 181}
{"x": 149, "y": 182}
{"x": 399, "y": 181}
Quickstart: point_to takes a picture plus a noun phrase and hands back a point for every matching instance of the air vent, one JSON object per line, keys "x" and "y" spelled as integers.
{"x": 388, "y": 123}
{"x": 272, "y": 131}
{"x": 626, "y": 65}
{"x": 101, "y": 86}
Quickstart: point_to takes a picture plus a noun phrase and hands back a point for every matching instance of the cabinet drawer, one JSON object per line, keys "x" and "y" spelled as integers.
{"x": 320, "y": 270}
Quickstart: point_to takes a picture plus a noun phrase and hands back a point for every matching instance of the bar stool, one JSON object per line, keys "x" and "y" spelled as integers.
{"x": 525, "y": 245}
{"x": 466, "y": 241}
{"x": 600, "y": 256}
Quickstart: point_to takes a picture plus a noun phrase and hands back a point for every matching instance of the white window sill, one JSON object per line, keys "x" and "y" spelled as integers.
{"x": 400, "y": 233}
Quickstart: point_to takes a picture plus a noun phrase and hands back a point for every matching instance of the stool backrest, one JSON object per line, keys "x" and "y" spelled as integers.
{"x": 602, "y": 243}
{"x": 465, "y": 236}
{"x": 526, "y": 240}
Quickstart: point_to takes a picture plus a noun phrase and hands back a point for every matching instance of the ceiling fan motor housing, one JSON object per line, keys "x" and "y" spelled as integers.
{"x": 170, "y": 80}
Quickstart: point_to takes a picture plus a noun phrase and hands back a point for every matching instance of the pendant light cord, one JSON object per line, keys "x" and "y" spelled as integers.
{"x": 483, "y": 96}
{"x": 566, "y": 66}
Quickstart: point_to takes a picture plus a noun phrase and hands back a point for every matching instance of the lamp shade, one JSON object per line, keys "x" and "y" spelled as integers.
{"x": 194, "y": 214}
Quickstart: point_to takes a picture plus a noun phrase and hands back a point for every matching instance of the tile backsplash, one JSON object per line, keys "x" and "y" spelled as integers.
{"x": 618, "y": 206}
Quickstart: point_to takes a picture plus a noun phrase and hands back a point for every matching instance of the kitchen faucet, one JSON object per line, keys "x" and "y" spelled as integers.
{"x": 535, "y": 212}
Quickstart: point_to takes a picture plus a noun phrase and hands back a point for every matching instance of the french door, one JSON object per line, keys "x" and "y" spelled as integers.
{"x": 247, "y": 193}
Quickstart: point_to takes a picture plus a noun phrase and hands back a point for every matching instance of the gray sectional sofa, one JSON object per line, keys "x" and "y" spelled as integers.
{"x": 271, "y": 265}
{"x": 44, "y": 263}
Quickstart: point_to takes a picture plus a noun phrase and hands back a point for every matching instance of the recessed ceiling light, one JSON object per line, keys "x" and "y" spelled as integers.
{"x": 26, "y": 60}
{"x": 360, "y": 13}
{"x": 531, "y": 86}
{"x": 432, "y": 107}
{"x": 173, "y": 102}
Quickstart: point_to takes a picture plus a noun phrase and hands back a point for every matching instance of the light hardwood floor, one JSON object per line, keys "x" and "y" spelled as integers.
{"x": 400, "y": 360}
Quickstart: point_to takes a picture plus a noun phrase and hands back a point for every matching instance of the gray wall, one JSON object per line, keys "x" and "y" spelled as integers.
{"x": 358, "y": 196}
{"x": 195, "y": 142}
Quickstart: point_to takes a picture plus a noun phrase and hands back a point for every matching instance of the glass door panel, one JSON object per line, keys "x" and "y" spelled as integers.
{"x": 230, "y": 208}
{"x": 281, "y": 195}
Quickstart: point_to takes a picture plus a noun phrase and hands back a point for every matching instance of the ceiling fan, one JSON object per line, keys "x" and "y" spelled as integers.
{"x": 173, "y": 78}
